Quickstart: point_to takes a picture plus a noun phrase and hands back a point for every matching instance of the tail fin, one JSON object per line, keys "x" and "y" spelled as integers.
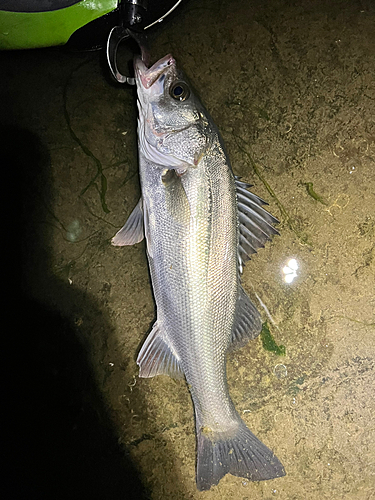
{"x": 241, "y": 455}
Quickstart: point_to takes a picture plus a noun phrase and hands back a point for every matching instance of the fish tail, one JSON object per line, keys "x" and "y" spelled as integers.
{"x": 240, "y": 454}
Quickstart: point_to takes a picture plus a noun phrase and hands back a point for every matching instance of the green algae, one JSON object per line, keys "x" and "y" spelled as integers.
{"x": 269, "y": 342}
{"x": 313, "y": 194}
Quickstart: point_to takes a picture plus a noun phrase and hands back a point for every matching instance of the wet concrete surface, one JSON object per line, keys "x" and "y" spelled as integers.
{"x": 291, "y": 87}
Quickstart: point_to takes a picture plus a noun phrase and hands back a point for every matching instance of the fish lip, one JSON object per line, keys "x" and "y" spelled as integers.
{"x": 148, "y": 76}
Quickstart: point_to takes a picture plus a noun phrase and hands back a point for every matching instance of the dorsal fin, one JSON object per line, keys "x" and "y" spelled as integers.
{"x": 256, "y": 224}
{"x": 247, "y": 321}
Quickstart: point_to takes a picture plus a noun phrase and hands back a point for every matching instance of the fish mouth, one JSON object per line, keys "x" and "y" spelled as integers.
{"x": 148, "y": 76}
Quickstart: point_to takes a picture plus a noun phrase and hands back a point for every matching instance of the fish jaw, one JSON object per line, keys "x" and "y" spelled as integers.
{"x": 148, "y": 76}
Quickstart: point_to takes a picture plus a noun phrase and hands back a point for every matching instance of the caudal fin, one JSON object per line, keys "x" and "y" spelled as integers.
{"x": 241, "y": 455}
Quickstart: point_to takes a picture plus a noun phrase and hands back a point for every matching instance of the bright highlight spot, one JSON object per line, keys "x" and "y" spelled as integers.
{"x": 290, "y": 270}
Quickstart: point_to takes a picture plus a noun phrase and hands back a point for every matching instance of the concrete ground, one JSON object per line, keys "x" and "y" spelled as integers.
{"x": 291, "y": 87}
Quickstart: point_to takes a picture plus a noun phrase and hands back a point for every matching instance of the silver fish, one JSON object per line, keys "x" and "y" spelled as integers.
{"x": 201, "y": 224}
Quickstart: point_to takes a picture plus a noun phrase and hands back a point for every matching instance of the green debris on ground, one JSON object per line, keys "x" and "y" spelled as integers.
{"x": 269, "y": 342}
{"x": 313, "y": 194}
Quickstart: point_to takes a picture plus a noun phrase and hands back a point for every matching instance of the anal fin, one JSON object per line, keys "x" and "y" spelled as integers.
{"x": 157, "y": 356}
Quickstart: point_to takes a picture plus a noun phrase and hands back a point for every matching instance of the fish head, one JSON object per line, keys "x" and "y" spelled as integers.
{"x": 174, "y": 129}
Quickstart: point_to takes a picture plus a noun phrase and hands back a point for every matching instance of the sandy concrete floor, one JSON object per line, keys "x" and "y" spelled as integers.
{"x": 291, "y": 87}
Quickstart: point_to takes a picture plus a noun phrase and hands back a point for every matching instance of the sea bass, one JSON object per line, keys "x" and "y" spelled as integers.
{"x": 201, "y": 224}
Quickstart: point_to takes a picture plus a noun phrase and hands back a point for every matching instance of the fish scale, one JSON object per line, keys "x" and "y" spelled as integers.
{"x": 201, "y": 225}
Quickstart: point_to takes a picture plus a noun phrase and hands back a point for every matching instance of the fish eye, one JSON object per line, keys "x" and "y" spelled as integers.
{"x": 179, "y": 91}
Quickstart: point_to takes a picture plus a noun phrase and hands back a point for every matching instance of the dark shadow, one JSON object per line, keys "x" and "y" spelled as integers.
{"x": 62, "y": 444}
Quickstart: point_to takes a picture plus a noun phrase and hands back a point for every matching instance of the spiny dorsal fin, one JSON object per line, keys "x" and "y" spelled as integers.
{"x": 256, "y": 224}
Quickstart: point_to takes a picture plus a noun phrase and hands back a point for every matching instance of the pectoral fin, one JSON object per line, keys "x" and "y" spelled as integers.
{"x": 175, "y": 196}
{"x": 133, "y": 230}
